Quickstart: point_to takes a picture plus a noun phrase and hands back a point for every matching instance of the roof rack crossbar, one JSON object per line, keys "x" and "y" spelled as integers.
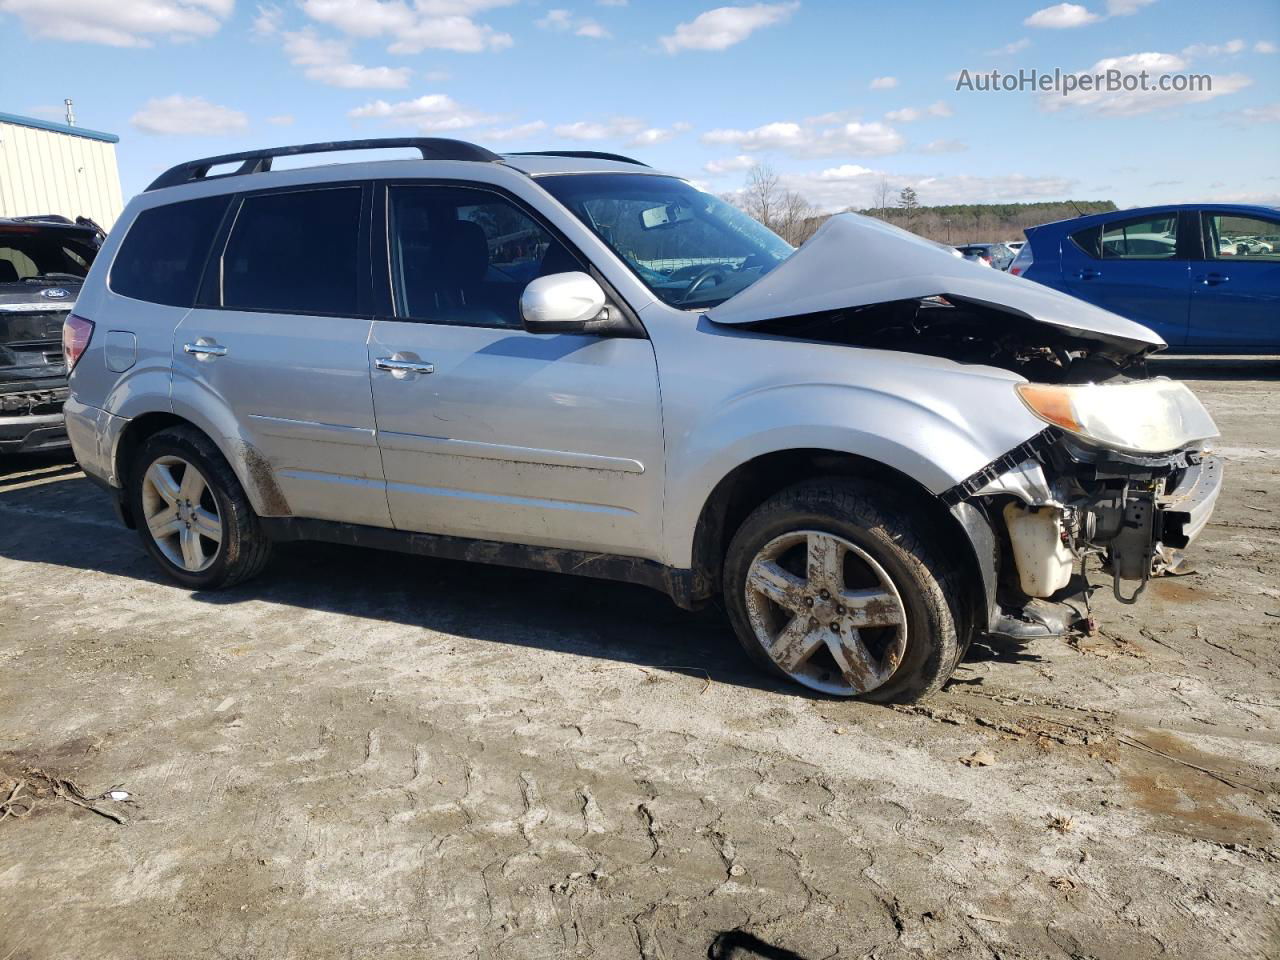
{"x": 581, "y": 155}
{"x": 259, "y": 161}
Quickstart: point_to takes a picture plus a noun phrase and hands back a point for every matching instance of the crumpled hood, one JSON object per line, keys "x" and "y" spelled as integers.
{"x": 856, "y": 261}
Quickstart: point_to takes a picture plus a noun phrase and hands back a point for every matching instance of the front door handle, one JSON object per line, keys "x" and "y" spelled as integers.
{"x": 400, "y": 367}
{"x": 1212, "y": 279}
{"x": 204, "y": 347}
{"x": 1087, "y": 274}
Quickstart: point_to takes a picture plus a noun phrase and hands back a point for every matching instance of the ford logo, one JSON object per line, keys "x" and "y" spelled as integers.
{"x": 55, "y": 293}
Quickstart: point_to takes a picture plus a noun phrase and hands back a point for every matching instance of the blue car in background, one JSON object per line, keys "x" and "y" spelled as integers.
{"x": 1206, "y": 277}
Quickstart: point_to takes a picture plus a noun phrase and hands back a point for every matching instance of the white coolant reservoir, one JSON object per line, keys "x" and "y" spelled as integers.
{"x": 1044, "y": 562}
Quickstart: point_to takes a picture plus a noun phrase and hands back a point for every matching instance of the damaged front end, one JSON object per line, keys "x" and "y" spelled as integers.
{"x": 1056, "y": 501}
{"x": 1121, "y": 471}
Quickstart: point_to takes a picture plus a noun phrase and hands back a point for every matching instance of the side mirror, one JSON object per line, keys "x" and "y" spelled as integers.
{"x": 561, "y": 303}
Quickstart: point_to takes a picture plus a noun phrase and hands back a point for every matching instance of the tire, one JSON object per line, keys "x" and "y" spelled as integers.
{"x": 886, "y": 588}
{"x": 156, "y": 490}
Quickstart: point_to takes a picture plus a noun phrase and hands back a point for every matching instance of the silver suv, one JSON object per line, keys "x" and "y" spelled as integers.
{"x": 869, "y": 449}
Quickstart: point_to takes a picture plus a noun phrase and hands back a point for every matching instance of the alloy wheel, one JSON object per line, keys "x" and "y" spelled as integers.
{"x": 826, "y": 612}
{"x": 181, "y": 513}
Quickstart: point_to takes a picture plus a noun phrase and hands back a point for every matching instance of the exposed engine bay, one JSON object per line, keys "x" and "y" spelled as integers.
{"x": 968, "y": 332}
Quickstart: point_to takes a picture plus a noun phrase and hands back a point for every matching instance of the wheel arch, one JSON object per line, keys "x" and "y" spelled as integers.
{"x": 249, "y": 465}
{"x": 750, "y": 484}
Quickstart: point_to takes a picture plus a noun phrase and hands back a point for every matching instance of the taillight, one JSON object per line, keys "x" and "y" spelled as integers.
{"x": 76, "y": 332}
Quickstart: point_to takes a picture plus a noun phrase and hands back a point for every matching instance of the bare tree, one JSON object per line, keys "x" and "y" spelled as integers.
{"x": 783, "y": 211}
{"x": 882, "y": 195}
{"x": 762, "y": 195}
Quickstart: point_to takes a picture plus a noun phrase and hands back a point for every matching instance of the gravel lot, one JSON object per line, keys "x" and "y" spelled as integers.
{"x": 371, "y": 755}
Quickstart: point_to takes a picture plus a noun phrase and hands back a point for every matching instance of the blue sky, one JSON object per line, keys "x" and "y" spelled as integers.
{"x": 836, "y": 96}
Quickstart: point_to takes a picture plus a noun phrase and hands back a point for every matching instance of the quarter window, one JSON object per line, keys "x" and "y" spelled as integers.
{"x": 1234, "y": 238}
{"x": 163, "y": 254}
{"x": 295, "y": 252}
{"x": 464, "y": 256}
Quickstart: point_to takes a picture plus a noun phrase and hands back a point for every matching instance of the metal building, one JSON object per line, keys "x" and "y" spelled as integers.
{"x": 57, "y": 168}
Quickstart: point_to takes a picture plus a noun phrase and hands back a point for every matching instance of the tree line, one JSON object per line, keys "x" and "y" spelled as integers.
{"x": 793, "y": 218}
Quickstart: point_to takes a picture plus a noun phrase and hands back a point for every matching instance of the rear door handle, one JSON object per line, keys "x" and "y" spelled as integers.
{"x": 1212, "y": 279}
{"x": 1088, "y": 274}
{"x": 205, "y": 347}
{"x": 400, "y": 367}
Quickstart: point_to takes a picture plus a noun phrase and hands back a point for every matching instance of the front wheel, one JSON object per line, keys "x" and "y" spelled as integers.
{"x": 835, "y": 586}
{"x": 192, "y": 514}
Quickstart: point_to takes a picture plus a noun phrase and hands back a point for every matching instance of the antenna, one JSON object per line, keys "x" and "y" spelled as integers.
{"x": 71, "y": 113}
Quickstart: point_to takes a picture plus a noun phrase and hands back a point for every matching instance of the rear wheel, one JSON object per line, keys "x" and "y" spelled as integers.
{"x": 192, "y": 514}
{"x": 832, "y": 585}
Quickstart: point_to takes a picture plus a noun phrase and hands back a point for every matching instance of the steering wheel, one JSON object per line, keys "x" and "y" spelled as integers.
{"x": 706, "y": 273}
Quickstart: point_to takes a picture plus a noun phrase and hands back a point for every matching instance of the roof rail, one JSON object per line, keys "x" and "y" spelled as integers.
{"x": 259, "y": 161}
{"x": 580, "y": 154}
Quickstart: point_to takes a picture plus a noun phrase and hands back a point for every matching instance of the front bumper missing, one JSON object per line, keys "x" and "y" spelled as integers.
{"x": 1137, "y": 515}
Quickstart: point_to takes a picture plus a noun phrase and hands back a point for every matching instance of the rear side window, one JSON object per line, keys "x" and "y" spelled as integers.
{"x": 162, "y": 257}
{"x": 295, "y": 253}
{"x": 1147, "y": 238}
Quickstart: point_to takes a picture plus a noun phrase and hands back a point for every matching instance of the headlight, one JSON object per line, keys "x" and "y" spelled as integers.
{"x": 1145, "y": 416}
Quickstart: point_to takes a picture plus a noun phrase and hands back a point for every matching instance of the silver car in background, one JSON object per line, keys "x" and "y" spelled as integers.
{"x": 869, "y": 450}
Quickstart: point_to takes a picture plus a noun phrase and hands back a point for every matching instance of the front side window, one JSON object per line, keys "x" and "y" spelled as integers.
{"x": 1146, "y": 238}
{"x": 1229, "y": 237}
{"x": 163, "y": 254}
{"x": 688, "y": 247}
{"x": 462, "y": 255}
{"x": 295, "y": 252}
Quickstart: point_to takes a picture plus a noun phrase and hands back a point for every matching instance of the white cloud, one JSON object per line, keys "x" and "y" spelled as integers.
{"x": 120, "y": 23}
{"x": 651, "y": 136}
{"x": 1125, "y": 8}
{"x": 177, "y": 114}
{"x": 1010, "y": 48}
{"x": 812, "y": 140}
{"x": 430, "y": 113}
{"x": 428, "y": 24}
{"x": 267, "y": 21}
{"x": 562, "y": 21}
{"x": 884, "y": 83}
{"x": 615, "y": 129}
{"x": 939, "y": 108}
{"x": 612, "y": 3}
{"x": 589, "y": 28}
{"x": 1125, "y": 103}
{"x": 1062, "y": 16}
{"x": 944, "y": 146}
{"x": 281, "y": 120}
{"x": 1264, "y": 46}
{"x": 629, "y": 129}
{"x": 555, "y": 20}
{"x": 1254, "y": 116}
{"x": 329, "y": 62}
{"x": 519, "y": 132}
{"x": 1230, "y": 48}
{"x": 723, "y": 27}
{"x": 742, "y": 161}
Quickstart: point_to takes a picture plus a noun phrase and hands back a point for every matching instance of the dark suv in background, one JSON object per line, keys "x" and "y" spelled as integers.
{"x": 43, "y": 262}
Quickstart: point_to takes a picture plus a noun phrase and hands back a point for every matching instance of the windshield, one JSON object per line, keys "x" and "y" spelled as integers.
{"x": 30, "y": 254}
{"x": 691, "y": 249}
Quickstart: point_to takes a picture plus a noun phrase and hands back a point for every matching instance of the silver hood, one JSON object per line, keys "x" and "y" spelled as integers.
{"x": 857, "y": 261}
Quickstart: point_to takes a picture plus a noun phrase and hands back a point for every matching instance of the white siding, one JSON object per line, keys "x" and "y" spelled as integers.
{"x": 43, "y": 171}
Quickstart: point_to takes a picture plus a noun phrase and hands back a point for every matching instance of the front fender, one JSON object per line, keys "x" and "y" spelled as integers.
{"x": 936, "y": 443}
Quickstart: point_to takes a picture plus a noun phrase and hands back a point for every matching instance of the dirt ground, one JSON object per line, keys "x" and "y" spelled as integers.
{"x": 370, "y": 755}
